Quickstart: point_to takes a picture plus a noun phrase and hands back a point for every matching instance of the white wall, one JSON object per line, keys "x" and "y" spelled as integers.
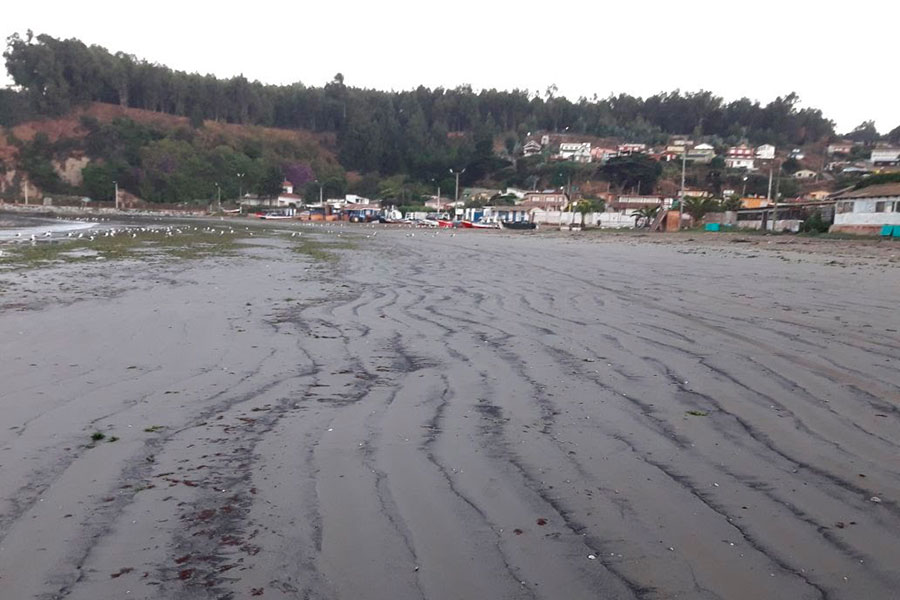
{"x": 864, "y": 213}
{"x": 600, "y": 219}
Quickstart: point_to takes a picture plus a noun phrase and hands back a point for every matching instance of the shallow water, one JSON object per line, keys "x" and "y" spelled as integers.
{"x": 15, "y": 227}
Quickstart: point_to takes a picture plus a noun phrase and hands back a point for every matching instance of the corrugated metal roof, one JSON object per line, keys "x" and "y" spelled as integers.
{"x": 873, "y": 191}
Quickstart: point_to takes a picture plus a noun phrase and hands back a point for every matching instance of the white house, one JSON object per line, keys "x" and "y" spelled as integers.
{"x": 577, "y": 151}
{"x": 287, "y": 197}
{"x": 868, "y": 210}
{"x": 531, "y": 148}
{"x": 885, "y": 156}
{"x": 739, "y": 162}
{"x": 804, "y": 174}
{"x": 840, "y": 148}
{"x": 765, "y": 152}
{"x": 702, "y": 153}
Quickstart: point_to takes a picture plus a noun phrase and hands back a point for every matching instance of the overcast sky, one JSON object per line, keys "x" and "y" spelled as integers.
{"x": 840, "y": 57}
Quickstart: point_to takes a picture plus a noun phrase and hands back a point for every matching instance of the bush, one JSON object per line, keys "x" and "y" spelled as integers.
{"x": 815, "y": 224}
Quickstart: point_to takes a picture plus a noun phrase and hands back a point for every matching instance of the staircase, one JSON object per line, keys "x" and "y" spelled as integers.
{"x": 656, "y": 224}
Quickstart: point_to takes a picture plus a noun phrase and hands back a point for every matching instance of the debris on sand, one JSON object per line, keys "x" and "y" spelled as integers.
{"x": 120, "y": 572}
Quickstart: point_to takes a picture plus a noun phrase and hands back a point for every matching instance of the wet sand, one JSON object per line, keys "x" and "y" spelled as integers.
{"x": 482, "y": 415}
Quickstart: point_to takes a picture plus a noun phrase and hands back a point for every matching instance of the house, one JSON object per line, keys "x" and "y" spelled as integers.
{"x": 701, "y": 153}
{"x": 782, "y": 217}
{"x": 602, "y": 155}
{"x": 287, "y": 197}
{"x": 867, "y": 210}
{"x": 740, "y": 157}
{"x": 839, "y": 148}
{"x": 545, "y": 140}
{"x": 666, "y": 156}
{"x": 546, "y": 200}
{"x": 885, "y": 157}
{"x": 765, "y": 152}
{"x": 577, "y": 151}
{"x": 629, "y": 149}
{"x": 739, "y": 163}
{"x": 804, "y": 174}
{"x": 633, "y": 202}
{"x": 817, "y": 195}
{"x": 741, "y": 151}
{"x": 797, "y": 154}
{"x": 506, "y": 214}
{"x": 531, "y": 148}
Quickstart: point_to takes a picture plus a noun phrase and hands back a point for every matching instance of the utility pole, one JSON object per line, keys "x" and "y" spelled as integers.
{"x": 769, "y": 192}
{"x": 777, "y": 192}
{"x": 457, "y": 174}
{"x": 219, "y": 195}
{"x": 681, "y": 193}
{"x": 116, "y": 183}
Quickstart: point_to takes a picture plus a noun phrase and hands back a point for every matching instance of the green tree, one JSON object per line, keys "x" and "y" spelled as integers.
{"x": 791, "y": 166}
{"x": 865, "y": 132}
{"x": 99, "y": 181}
{"x": 731, "y": 203}
{"x": 697, "y": 207}
{"x": 633, "y": 171}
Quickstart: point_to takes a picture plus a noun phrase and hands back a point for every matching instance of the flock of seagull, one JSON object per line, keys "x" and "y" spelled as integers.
{"x": 133, "y": 232}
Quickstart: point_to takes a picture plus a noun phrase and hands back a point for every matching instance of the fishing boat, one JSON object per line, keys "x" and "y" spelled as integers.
{"x": 274, "y": 215}
{"x": 518, "y": 225}
{"x": 478, "y": 225}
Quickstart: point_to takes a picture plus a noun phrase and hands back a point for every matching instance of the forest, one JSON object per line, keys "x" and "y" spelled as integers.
{"x": 412, "y": 136}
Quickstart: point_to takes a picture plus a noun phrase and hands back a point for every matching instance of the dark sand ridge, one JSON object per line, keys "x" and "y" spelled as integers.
{"x": 454, "y": 417}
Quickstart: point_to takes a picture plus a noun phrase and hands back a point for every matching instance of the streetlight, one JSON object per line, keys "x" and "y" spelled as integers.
{"x": 116, "y": 183}
{"x": 744, "y": 189}
{"x": 219, "y": 195}
{"x": 240, "y": 177}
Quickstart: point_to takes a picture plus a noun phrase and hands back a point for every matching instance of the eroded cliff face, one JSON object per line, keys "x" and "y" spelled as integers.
{"x": 70, "y": 168}
{"x": 14, "y": 186}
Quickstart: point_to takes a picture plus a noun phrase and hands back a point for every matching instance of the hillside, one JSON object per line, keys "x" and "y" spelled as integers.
{"x": 93, "y": 140}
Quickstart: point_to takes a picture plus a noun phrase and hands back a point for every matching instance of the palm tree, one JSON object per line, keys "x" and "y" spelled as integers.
{"x": 647, "y": 213}
{"x": 697, "y": 207}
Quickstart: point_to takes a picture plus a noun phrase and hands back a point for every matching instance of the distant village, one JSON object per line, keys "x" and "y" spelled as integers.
{"x": 874, "y": 209}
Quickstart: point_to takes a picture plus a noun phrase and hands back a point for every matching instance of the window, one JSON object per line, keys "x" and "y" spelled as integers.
{"x": 880, "y": 206}
{"x": 844, "y": 207}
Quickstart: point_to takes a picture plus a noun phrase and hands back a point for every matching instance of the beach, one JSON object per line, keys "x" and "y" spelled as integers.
{"x": 365, "y": 412}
